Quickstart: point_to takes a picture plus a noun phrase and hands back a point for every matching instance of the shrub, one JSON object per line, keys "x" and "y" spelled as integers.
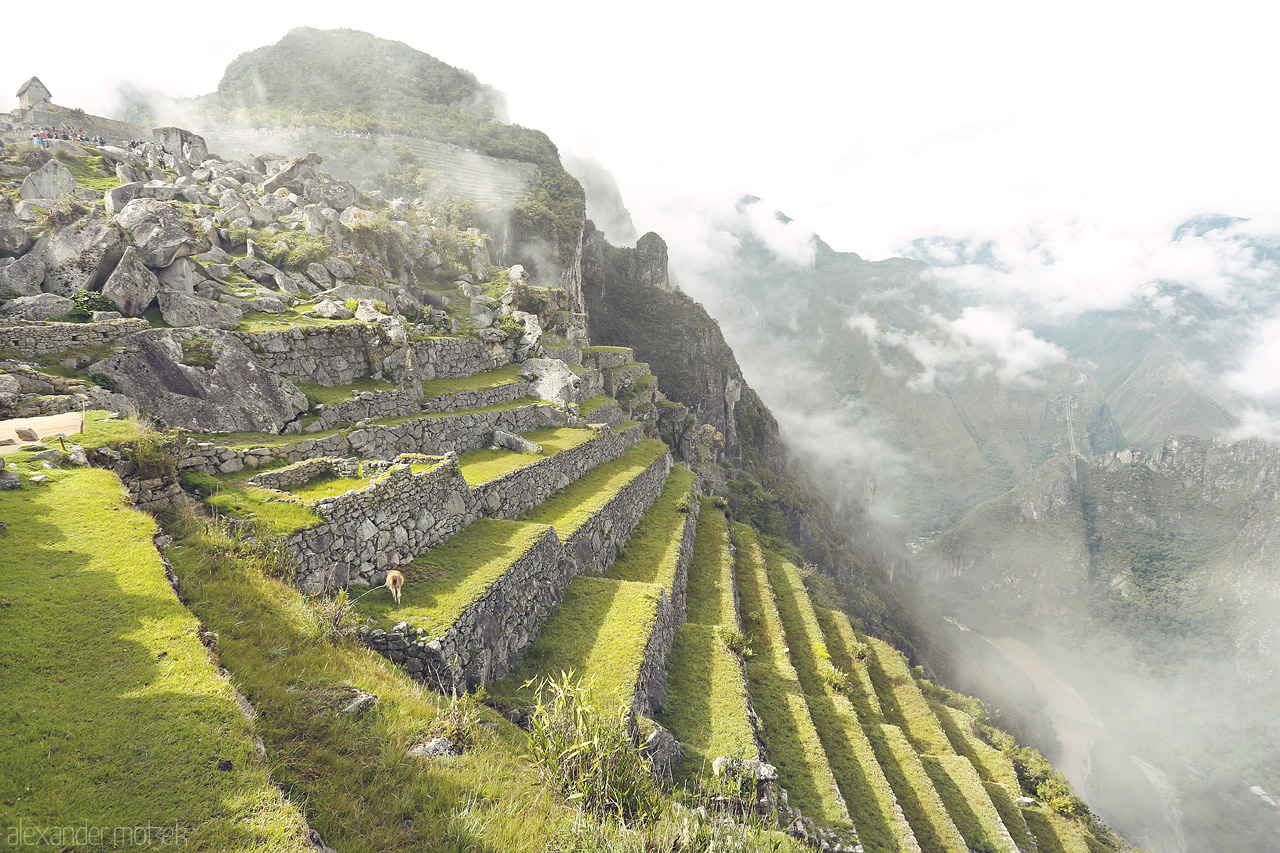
{"x": 735, "y": 641}
{"x": 719, "y": 502}
{"x": 87, "y": 302}
{"x": 352, "y": 304}
{"x": 685, "y": 504}
{"x": 102, "y": 380}
{"x": 199, "y": 352}
{"x": 510, "y": 326}
{"x": 587, "y": 754}
{"x": 382, "y": 307}
{"x": 336, "y": 616}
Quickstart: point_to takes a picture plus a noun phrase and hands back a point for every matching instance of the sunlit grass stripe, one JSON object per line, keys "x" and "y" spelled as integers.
{"x": 966, "y": 800}
{"x": 710, "y": 598}
{"x": 1006, "y": 804}
{"x": 790, "y": 737}
{"x": 992, "y": 764}
{"x": 653, "y": 551}
{"x": 914, "y": 713}
{"x": 850, "y": 654}
{"x": 1055, "y": 833}
{"x": 924, "y": 809}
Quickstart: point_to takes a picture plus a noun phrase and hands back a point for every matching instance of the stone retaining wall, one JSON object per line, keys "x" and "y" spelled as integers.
{"x": 620, "y": 377}
{"x": 518, "y": 491}
{"x": 594, "y": 546}
{"x": 605, "y": 359}
{"x": 610, "y": 413}
{"x": 590, "y": 384}
{"x": 385, "y": 525}
{"x": 567, "y": 353}
{"x": 301, "y": 473}
{"x": 478, "y": 399}
{"x": 428, "y": 434}
{"x": 341, "y": 354}
{"x": 27, "y": 339}
{"x": 367, "y": 405}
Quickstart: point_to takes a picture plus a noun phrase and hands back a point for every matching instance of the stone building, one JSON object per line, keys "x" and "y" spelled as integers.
{"x": 33, "y": 93}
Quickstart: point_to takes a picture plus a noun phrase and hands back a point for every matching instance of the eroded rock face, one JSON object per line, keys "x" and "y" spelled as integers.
{"x": 24, "y": 275}
{"x": 132, "y": 287}
{"x": 181, "y": 310}
{"x": 338, "y": 195}
{"x": 80, "y": 256}
{"x": 236, "y": 395}
{"x": 297, "y": 176}
{"x": 158, "y": 232}
{"x": 13, "y": 237}
{"x": 51, "y": 180}
{"x": 551, "y": 380}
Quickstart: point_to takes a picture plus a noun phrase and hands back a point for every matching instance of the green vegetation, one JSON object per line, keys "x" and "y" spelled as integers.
{"x": 199, "y": 352}
{"x": 505, "y": 375}
{"x": 327, "y": 486}
{"x": 850, "y": 655}
{"x": 115, "y": 715}
{"x": 901, "y": 699}
{"x": 654, "y": 549}
{"x": 270, "y": 512}
{"x": 570, "y": 508}
{"x": 586, "y": 407}
{"x": 87, "y": 171}
{"x": 442, "y": 583}
{"x": 341, "y": 393}
{"x": 486, "y": 464}
{"x": 920, "y": 803}
{"x": 966, "y": 800}
{"x": 710, "y": 600}
{"x": 598, "y": 633}
{"x": 294, "y": 250}
{"x": 793, "y": 744}
{"x": 1003, "y": 800}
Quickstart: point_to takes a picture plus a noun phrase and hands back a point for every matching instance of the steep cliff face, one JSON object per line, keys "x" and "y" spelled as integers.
{"x": 629, "y": 305}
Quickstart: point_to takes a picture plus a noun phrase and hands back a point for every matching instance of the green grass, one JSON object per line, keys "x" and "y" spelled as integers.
{"x": 706, "y": 707}
{"x": 629, "y": 366}
{"x": 586, "y": 407}
{"x": 599, "y": 632}
{"x": 992, "y": 764}
{"x": 1005, "y": 803}
{"x": 259, "y": 321}
{"x": 486, "y": 464}
{"x": 789, "y": 734}
{"x": 505, "y": 375}
{"x": 849, "y": 654}
{"x": 328, "y": 486}
{"x": 586, "y": 350}
{"x": 573, "y": 506}
{"x": 866, "y": 792}
{"x": 923, "y": 808}
{"x": 270, "y": 512}
{"x": 85, "y": 171}
{"x": 360, "y": 791}
{"x": 653, "y": 550}
{"x": 893, "y": 679}
{"x": 1055, "y": 833}
{"x": 967, "y": 803}
{"x": 114, "y": 715}
{"x": 442, "y": 583}
{"x": 342, "y": 393}
{"x": 709, "y": 600}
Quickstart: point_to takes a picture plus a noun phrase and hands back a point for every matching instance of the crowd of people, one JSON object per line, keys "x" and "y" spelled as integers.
{"x": 41, "y": 135}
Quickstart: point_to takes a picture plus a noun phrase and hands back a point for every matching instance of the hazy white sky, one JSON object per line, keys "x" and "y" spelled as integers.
{"x": 872, "y": 123}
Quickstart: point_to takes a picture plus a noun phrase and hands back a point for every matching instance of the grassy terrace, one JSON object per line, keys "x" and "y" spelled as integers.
{"x": 924, "y": 809}
{"x": 598, "y": 633}
{"x": 961, "y": 790}
{"x": 586, "y": 407}
{"x": 485, "y": 464}
{"x": 586, "y": 350}
{"x": 866, "y": 792}
{"x": 1006, "y": 804}
{"x": 654, "y": 549}
{"x": 327, "y": 486}
{"x": 850, "y": 654}
{"x": 114, "y": 714}
{"x": 270, "y": 511}
{"x": 902, "y": 701}
{"x": 505, "y": 375}
{"x": 571, "y": 507}
{"x": 1055, "y": 833}
{"x": 992, "y": 764}
{"x": 342, "y": 393}
{"x": 706, "y": 706}
{"x": 361, "y": 792}
{"x": 709, "y": 600}
{"x": 789, "y": 734}
{"x": 442, "y": 583}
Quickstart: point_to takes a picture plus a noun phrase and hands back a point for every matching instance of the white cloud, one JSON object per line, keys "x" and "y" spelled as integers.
{"x": 1258, "y": 377}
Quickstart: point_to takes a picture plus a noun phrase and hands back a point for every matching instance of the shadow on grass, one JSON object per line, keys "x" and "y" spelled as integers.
{"x": 957, "y": 805}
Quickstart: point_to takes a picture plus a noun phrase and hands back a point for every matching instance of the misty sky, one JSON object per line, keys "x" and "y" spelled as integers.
{"x": 1070, "y": 140}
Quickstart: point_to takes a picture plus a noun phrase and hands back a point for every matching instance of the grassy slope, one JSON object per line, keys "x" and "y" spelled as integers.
{"x": 967, "y": 801}
{"x": 849, "y": 654}
{"x": 924, "y": 809}
{"x": 654, "y": 549}
{"x": 113, "y": 713}
{"x": 1005, "y": 803}
{"x": 445, "y": 581}
{"x": 992, "y": 764}
{"x": 901, "y": 699}
{"x": 485, "y": 464}
{"x": 571, "y": 507}
{"x": 360, "y": 790}
{"x": 862, "y": 783}
{"x": 598, "y": 633}
{"x": 505, "y": 375}
{"x": 792, "y": 742}
{"x": 706, "y": 706}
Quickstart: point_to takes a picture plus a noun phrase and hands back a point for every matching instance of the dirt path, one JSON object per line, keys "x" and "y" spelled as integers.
{"x": 48, "y": 425}
{"x": 1075, "y": 726}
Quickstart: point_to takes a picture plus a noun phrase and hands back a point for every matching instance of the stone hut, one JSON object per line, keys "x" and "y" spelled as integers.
{"x": 33, "y": 93}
